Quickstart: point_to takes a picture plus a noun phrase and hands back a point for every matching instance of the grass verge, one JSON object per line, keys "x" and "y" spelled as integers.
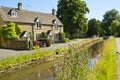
{"x": 106, "y": 67}
{"x": 10, "y": 61}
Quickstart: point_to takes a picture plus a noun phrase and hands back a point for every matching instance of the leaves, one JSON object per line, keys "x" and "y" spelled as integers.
{"x": 109, "y": 17}
{"x": 72, "y": 15}
{"x": 9, "y": 30}
{"x": 94, "y": 27}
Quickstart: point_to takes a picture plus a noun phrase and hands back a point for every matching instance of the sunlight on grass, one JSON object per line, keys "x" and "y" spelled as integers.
{"x": 106, "y": 68}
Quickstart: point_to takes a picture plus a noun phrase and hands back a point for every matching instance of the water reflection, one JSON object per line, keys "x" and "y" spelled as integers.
{"x": 36, "y": 72}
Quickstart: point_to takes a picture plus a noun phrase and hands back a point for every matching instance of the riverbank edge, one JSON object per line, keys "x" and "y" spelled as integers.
{"x": 48, "y": 57}
{"x": 106, "y": 67}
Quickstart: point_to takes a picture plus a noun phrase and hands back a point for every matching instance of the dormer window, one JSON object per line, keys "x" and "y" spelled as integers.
{"x": 14, "y": 13}
{"x": 38, "y": 23}
{"x": 55, "y": 24}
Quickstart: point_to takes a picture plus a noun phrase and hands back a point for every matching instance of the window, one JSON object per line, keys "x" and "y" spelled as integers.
{"x": 38, "y": 36}
{"x": 56, "y": 37}
{"x": 13, "y": 13}
{"x": 38, "y": 23}
{"x": 55, "y": 23}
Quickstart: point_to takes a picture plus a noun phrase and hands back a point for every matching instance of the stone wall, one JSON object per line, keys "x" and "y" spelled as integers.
{"x": 17, "y": 44}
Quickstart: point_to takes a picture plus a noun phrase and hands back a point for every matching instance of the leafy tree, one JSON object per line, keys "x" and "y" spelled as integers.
{"x": 94, "y": 27}
{"x": 9, "y": 31}
{"x": 115, "y": 28}
{"x": 108, "y": 19}
{"x": 18, "y": 29}
{"x": 72, "y": 15}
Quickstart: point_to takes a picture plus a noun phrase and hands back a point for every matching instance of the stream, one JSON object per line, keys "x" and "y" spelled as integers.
{"x": 44, "y": 71}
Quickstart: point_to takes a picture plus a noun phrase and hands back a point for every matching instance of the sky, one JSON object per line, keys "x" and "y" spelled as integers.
{"x": 97, "y": 7}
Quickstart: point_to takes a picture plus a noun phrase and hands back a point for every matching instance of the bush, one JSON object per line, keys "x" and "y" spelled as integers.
{"x": 44, "y": 35}
{"x": 37, "y": 43}
{"x": 36, "y": 47}
{"x": 67, "y": 40}
{"x": 30, "y": 44}
{"x": 62, "y": 37}
{"x": 48, "y": 42}
{"x": 45, "y": 41}
{"x": 15, "y": 37}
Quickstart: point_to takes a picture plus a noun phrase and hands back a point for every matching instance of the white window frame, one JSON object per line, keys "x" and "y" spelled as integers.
{"x": 38, "y": 23}
{"x": 55, "y": 24}
{"x": 13, "y": 13}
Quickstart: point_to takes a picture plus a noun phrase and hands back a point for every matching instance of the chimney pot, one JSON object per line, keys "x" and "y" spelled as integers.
{"x": 19, "y": 6}
{"x": 53, "y": 11}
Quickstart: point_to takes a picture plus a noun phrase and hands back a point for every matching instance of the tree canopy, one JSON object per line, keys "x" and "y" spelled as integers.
{"x": 72, "y": 14}
{"x": 108, "y": 18}
{"x": 115, "y": 28}
{"x": 94, "y": 27}
{"x": 10, "y": 31}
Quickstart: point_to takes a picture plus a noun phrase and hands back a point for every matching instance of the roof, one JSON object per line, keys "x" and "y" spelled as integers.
{"x": 27, "y": 16}
{"x": 25, "y": 34}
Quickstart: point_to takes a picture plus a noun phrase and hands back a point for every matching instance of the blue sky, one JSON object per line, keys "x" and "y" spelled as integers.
{"x": 97, "y": 7}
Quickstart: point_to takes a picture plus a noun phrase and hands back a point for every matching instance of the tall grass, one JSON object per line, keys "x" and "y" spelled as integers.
{"x": 74, "y": 66}
{"x": 106, "y": 67}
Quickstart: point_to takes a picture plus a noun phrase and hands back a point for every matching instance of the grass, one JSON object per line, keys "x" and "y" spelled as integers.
{"x": 106, "y": 67}
{"x": 9, "y": 61}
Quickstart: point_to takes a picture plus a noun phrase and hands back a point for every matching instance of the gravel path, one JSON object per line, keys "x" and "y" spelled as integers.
{"x": 7, "y": 52}
{"x": 118, "y": 60}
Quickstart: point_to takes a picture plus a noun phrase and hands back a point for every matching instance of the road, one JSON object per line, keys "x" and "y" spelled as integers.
{"x": 7, "y": 52}
{"x": 118, "y": 53}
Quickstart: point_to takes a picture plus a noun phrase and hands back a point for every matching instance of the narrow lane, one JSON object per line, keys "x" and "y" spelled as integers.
{"x": 118, "y": 53}
{"x": 8, "y": 52}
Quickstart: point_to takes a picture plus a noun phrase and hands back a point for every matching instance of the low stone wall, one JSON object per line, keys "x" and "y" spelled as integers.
{"x": 17, "y": 44}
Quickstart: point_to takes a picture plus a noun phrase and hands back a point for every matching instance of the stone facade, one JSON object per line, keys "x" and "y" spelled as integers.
{"x": 31, "y": 21}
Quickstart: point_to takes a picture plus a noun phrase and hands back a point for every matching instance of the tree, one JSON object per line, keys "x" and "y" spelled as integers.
{"x": 108, "y": 19}
{"x": 94, "y": 27}
{"x": 72, "y": 15}
{"x": 9, "y": 31}
{"x": 18, "y": 29}
{"x": 115, "y": 28}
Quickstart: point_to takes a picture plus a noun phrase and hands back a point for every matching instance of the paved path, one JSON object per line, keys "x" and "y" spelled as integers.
{"x": 7, "y": 52}
{"x": 118, "y": 60}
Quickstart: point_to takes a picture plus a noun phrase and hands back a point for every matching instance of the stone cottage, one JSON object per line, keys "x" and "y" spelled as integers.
{"x": 32, "y": 21}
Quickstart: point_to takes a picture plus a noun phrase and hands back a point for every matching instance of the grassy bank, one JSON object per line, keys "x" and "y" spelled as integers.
{"x": 10, "y": 61}
{"x": 106, "y": 67}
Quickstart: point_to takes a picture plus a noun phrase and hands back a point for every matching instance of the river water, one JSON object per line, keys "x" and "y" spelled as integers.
{"x": 43, "y": 71}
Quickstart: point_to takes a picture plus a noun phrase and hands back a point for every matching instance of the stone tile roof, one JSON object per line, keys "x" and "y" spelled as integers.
{"x": 27, "y": 16}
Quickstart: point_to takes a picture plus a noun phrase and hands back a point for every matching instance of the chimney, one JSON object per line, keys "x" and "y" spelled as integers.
{"x": 53, "y": 11}
{"x": 19, "y": 6}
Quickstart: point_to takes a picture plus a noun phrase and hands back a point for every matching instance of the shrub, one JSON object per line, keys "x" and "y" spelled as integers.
{"x": 48, "y": 42}
{"x": 62, "y": 37}
{"x": 30, "y": 44}
{"x": 37, "y": 43}
{"x": 44, "y": 35}
{"x": 45, "y": 41}
{"x": 14, "y": 37}
{"x": 67, "y": 40}
{"x": 36, "y": 47}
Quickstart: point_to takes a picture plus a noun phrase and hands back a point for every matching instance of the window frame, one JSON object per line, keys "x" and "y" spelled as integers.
{"x": 38, "y": 36}
{"x": 14, "y": 13}
{"x": 38, "y": 23}
{"x": 55, "y": 23}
